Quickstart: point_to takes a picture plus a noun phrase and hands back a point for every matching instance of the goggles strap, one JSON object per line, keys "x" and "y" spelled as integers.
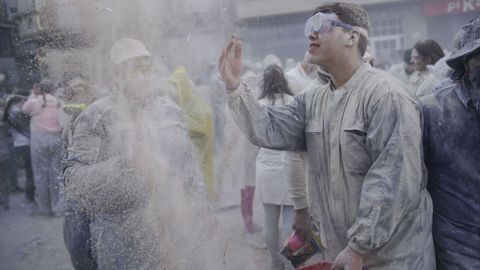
{"x": 361, "y": 30}
{"x": 324, "y": 18}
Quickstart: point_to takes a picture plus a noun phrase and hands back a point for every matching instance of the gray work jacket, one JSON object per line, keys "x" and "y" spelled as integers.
{"x": 366, "y": 178}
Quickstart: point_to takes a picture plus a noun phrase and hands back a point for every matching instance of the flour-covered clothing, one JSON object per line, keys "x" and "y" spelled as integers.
{"x": 367, "y": 185}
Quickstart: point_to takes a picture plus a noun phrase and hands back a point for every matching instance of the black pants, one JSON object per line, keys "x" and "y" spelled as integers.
{"x": 24, "y": 153}
{"x": 77, "y": 238}
{"x": 4, "y": 183}
{"x": 12, "y": 168}
{"x": 457, "y": 246}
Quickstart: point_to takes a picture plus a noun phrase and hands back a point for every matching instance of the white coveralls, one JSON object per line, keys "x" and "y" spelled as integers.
{"x": 135, "y": 204}
{"x": 422, "y": 84}
{"x": 297, "y": 78}
{"x": 366, "y": 179}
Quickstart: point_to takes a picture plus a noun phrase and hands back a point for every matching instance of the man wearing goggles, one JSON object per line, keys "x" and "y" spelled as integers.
{"x": 322, "y": 23}
{"x": 362, "y": 131}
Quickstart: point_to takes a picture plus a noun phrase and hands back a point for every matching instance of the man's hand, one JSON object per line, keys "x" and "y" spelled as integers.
{"x": 230, "y": 66}
{"x": 348, "y": 259}
{"x": 301, "y": 223}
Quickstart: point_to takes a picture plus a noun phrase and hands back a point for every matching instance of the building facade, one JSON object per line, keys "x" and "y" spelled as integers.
{"x": 42, "y": 25}
{"x": 445, "y": 17}
{"x": 269, "y": 26}
{"x": 8, "y": 66}
{"x": 77, "y": 33}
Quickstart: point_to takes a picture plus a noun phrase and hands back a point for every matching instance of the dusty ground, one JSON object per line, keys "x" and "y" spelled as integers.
{"x": 36, "y": 242}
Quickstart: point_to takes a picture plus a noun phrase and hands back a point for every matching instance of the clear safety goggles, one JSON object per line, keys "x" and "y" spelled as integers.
{"x": 323, "y": 23}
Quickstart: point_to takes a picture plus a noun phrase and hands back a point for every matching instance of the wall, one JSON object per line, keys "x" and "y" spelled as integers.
{"x": 261, "y": 8}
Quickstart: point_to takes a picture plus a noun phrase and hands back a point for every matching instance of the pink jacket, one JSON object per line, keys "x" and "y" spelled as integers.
{"x": 43, "y": 119}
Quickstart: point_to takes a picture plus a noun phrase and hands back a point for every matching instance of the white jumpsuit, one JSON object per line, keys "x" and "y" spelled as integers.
{"x": 366, "y": 178}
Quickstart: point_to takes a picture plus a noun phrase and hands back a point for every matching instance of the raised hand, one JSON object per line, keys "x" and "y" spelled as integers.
{"x": 301, "y": 223}
{"x": 230, "y": 64}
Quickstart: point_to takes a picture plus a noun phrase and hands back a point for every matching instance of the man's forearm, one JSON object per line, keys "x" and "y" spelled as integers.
{"x": 280, "y": 128}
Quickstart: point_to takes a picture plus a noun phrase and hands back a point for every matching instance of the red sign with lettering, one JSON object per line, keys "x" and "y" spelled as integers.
{"x": 450, "y": 7}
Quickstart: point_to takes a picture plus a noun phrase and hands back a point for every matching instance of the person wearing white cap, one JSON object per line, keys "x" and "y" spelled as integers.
{"x": 301, "y": 75}
{"x": 131, "y": 164}
{"x": 271, "y": 59}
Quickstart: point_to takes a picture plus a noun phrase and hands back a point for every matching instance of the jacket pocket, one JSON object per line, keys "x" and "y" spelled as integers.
{"x": 355, "y": 153}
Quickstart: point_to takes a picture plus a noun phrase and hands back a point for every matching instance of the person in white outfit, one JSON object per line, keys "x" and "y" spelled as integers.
{"x": 425, "y": 54}
{"x": 271, "y": 180}
{"x": 403, "y": 71}
{"x": 301, "y": 75}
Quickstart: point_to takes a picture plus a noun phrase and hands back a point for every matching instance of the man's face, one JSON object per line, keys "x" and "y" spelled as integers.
{"x": 474, "y": 62}
{"x": 474, "y": 71}
{"x": 325, "y": 47}
{"x": 78, "y": 91}
{"x": 329, "y": 38}
{"x": 136, "y": 77}
{"x": 419, "y": 62}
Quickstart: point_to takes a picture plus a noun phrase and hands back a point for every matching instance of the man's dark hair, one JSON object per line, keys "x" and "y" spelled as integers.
{"x": 429, "y": 49}
{"x": 407, "y": 56}
{"x": 350, "y": 14}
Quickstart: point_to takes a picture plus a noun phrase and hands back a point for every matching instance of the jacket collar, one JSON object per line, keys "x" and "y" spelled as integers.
{"x": 357, "y": 76}
{"x": 464, "y": 94}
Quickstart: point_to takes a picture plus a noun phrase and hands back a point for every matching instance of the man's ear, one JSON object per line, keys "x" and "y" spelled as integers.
{"x": 352, "y": 38}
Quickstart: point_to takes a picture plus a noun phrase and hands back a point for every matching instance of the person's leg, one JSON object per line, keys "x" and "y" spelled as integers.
{"x": 272, "y": 216}
{"x": 4, "y": 184}
{"x": 12, "y": 169}
{"x": 24, "y": 153}
{"x": 246, "y": 208}
{"x": 456, "y": 246}
{"x": 287, "y": 217}
{"x": 40, "y": 166}
{"x": 77, "y": 238}
{"x": 54, "y": 171}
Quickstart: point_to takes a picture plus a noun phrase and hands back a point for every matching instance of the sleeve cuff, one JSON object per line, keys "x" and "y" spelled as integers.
{"x": 235, "y": 93}
{"x": 300, "y": 203}
{"x": 358, "y": 248}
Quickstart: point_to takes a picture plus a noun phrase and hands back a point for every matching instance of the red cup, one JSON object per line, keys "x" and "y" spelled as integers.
{"x": 317, "y": 266}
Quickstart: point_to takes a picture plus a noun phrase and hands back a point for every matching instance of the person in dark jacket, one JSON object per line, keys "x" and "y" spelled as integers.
{"x": 452, "y": 152}
{"x": 19, "y": 125}
{"x": 5, "y": 140}
{"x": 76, "y": 227}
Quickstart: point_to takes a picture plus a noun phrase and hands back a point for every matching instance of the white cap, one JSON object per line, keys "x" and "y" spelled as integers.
{"x": 127, "y": 48}
{"x": 271, "y": 59}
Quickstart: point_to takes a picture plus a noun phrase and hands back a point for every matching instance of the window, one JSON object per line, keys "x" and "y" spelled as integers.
{"x": 386, "y": 26}
{"x": 386, "y": 40}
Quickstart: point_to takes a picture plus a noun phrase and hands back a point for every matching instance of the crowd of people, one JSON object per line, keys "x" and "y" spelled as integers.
{"x": 383, "y": 163}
